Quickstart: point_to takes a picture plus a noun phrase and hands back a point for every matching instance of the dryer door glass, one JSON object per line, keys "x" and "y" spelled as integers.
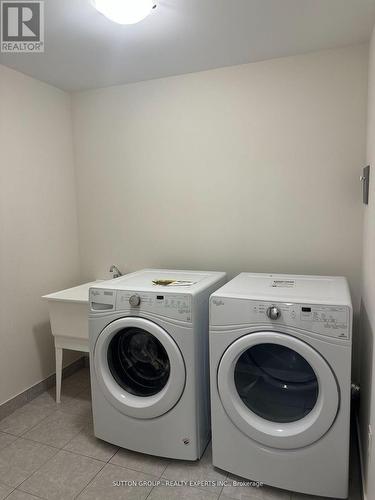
{"x": 138, "y": 362}
{"x": 276, "y": 383}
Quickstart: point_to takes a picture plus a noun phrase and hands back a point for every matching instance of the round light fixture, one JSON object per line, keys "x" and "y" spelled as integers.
{"x": 124, "y": 11}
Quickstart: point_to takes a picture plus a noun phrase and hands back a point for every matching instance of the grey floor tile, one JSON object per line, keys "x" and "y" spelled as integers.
{"x": 140, "y": 462}
{"x": 201, "y": 470}
{"x": 79, "y": 404}
{"x": 21, "y": 495}
{"x": 5, "y": 490}
{"x": 20, "y": 459}
{"x": 77, "y": 382}
{"x": 180, "y": 493}
{"x": 62, "y": 477}
{"x": 48, "y": 399}
{"x": 23, "y": 419}
{"x": 58, "y": 429}
{"x": 103, "y": 486}
{"x": 6, "y": 439}
{"x": 70, "y": 387}
{"x": 85, "y": 443}
{"x": 239, "y": 492}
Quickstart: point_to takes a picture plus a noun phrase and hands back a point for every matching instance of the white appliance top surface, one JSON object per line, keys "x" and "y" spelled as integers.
{"x": 144, "y": 280}
{"x": 78, "y": 293}
{"x": 330, "y": 290}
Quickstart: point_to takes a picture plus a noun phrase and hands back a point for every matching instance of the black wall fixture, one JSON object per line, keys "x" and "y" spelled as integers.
{"x": 365, "y": 179}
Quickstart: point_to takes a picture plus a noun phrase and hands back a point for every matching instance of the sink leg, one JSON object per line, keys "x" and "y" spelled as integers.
{"x": 59, "y": 357}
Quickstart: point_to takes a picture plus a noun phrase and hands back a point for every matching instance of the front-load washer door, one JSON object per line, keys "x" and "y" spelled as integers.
{"x": 139, "y": 367}
{"x": 277, "y": 390}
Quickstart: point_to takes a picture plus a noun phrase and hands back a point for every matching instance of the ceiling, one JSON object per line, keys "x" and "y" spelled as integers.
{"x": 85, "y": 50}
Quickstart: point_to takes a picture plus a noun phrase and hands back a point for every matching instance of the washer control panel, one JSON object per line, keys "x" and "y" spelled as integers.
{"x": 175, "y": 306}
{"x": 170, "y": 305}
{"x": 332, "y": 321}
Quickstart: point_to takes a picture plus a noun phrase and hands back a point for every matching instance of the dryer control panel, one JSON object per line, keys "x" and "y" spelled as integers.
{"x": 168, "y": 305}
{"x": 332, "y": 321}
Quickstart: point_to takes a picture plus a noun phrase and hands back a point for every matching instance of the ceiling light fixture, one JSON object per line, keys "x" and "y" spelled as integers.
{"x": 124, "y": 11}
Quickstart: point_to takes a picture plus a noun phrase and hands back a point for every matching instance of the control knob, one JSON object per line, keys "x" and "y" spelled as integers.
{"x": 135, "y": 300}
{"x": 273, "y": 312}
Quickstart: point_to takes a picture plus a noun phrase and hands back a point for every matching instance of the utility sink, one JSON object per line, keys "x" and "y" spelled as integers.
{"x": 68, "y": 313}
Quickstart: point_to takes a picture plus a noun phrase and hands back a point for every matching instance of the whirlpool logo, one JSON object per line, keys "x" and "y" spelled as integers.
{"x": 22, "y": 26}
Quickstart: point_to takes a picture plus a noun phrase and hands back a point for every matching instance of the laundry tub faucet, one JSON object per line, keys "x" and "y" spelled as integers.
{"x": 115, "y": 270}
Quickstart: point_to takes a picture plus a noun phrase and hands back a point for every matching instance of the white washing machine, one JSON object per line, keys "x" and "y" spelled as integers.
{"x": 280, "y": 355}
{"x": 149, "y": 361}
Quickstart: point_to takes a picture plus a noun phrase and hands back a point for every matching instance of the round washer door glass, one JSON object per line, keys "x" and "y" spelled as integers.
{"x": 138, "y": 362}
{"x": 277, "y": 389}
{"x": 276, "y": 382}
{"x": 139, "y": 367}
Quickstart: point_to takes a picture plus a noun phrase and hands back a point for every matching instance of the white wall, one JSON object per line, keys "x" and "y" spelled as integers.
{"x": 38, "y": 224}
{"x": 367, "y": 409}
{"x": 253, "y": 167}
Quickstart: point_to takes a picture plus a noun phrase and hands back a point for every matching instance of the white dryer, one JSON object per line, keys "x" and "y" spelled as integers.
{"x": 149, "y": 361}
{"x": 280, "y": 355}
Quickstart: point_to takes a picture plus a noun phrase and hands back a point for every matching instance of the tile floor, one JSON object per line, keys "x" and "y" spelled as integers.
{"x": 49, "y": 451}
